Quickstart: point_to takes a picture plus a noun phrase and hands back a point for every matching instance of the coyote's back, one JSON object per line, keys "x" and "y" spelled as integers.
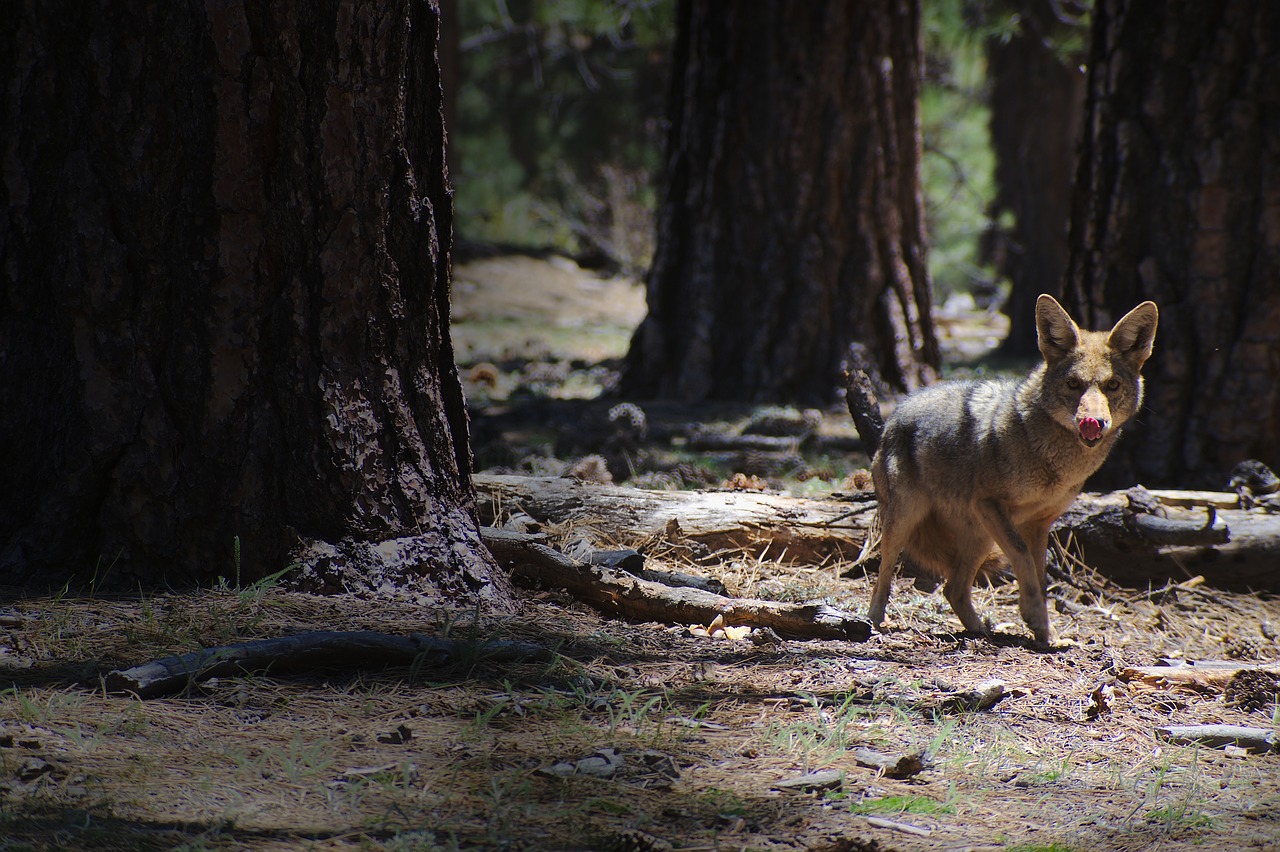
{"x": 964, "y": 465}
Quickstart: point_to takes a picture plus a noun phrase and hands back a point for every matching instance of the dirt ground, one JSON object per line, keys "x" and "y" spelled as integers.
{"x": 637, "y": 736}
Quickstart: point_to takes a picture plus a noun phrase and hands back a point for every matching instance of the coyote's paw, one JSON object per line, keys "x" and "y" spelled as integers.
{"x": 1053, "y": 643}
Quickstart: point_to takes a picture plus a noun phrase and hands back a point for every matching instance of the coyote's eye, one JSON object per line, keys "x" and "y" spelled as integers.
{"x": 1075, "y": 384}
{"x": 1113, "y": 385}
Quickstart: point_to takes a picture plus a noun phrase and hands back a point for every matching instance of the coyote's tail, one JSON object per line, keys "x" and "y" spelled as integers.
{"x": 864, "y": 408}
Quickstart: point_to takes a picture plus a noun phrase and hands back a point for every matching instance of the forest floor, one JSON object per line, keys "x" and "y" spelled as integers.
{"x": 636, "y": 736}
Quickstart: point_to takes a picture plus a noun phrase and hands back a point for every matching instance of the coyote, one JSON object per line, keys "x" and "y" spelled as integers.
{"x": 963, "y": 465}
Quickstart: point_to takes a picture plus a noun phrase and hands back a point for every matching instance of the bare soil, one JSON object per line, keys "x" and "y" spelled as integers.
{"x": 634, "y": 736}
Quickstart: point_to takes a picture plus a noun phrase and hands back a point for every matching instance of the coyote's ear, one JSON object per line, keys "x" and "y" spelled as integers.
{"x": 1135, "y": 334}
{"x": 1058, "y": 334}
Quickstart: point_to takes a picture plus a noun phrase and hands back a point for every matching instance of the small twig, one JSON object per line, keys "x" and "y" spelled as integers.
{"x": 906, "y": 828}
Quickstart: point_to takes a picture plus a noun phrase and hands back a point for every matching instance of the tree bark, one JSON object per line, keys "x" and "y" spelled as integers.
{"x": 1037, "y": 101}
{"x": 227, "y": 231}
{"x": 1177, "y": 199}
{"x": 790, "y": 223}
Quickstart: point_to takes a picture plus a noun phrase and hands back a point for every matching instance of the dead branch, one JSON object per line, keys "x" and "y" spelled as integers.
{"x": 632, "y": 561}
{"x": 617, "y": 593}
{"x": 1216, "y": 736}
{"x": 362, "y": 648}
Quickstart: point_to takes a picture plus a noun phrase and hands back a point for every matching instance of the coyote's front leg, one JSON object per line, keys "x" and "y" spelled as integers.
{"x": 1027, "y": 568}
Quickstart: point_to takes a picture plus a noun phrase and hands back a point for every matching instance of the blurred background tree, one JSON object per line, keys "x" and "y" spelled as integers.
{"x": 561, "y": 123}
{"x": 1035, "y": 68}
{"x": 790, "y": 224}
{"x": 560, "y": 116}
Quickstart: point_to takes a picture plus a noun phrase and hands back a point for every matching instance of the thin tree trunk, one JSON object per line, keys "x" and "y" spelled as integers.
{"x": 1177, "y": 200}
{"x": 790, "y": 223}
{"x": 226, "y": 233}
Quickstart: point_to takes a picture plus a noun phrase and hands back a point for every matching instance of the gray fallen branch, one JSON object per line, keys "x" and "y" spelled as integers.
{"x": 1165, "y": 531}
{"x": 317, "y": 647}
{"x": 617, "y": 593}
{"x": 1217, "y": 736}
{"x": 1207, "y": 676}
{"x": 905, "y": 828}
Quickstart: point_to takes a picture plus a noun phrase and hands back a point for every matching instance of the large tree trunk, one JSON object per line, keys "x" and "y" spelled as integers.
{"x": 1037, "y": 99}
{"x": 790, "y": 223}
{"x": 1178, "y": 200}
{"x": 226, "y": 243}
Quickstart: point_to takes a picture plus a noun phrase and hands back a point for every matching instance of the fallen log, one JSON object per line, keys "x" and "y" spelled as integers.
{"x": 306, "y": 651}
{"x": 632, "y": 561}
{"x": 706, "y": 440}
{"x": 617, "y": 593}
{"x": 1234, "y": 549}
{"x": 1128, "y": 536}
{"x": 1191, "y": 499}
{"x": 800, "y": 529}
{"x": 1213, "y": 676}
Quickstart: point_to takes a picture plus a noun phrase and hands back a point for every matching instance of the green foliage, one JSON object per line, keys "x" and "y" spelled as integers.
{"x": 957, "y": 170}
{"x": 559, "y": 113}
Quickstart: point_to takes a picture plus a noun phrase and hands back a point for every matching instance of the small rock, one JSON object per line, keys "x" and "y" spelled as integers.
{"x": 826, "y": 779}
{"x": 402, "y": 734}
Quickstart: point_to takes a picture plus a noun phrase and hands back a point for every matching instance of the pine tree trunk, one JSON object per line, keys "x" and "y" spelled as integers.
{"x": 1177, "y": 200}
{"x": 791, "y": 221}
{"x": 227, "y": 232}
{"x": 1037, "y": 100}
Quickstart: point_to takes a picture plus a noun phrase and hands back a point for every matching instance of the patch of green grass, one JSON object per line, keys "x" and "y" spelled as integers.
{"x": 506, "y": 797}
{"x": 898, "y": 805}
{"x": 1173, "y": 797}
{"x": 824, "y": 734}
{"x": 38, "y": 707}
{"x": 613, "y": 807}
{"x": 721, "y": 801}
{"x": 1180, "y": 815}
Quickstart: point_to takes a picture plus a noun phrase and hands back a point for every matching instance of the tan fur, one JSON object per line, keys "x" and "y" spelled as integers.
{"x": 963, "y": 465}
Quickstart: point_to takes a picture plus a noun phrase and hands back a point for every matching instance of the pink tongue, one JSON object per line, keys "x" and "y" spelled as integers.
{"x": 1090, "y": 429}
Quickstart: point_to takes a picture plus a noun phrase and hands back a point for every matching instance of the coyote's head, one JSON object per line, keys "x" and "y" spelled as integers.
{"x": 1093, "y": 379}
